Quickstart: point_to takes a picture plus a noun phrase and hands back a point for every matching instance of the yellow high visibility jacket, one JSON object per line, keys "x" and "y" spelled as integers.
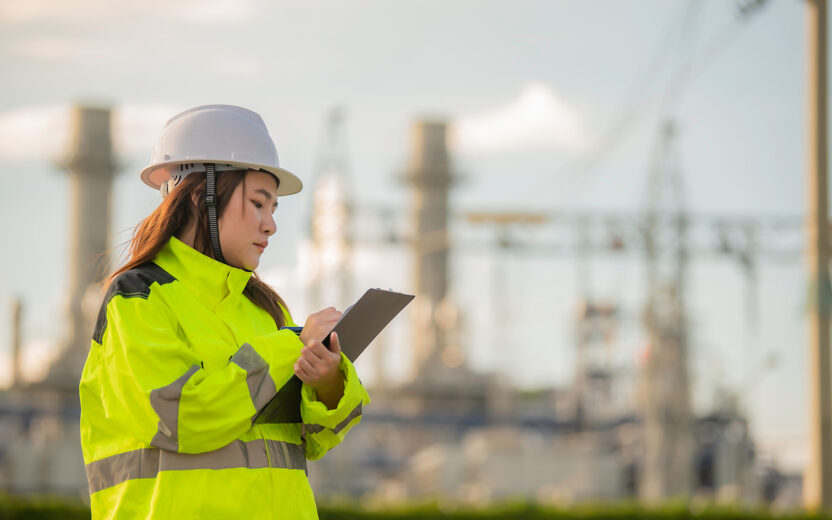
{"x": 174, "y": 394}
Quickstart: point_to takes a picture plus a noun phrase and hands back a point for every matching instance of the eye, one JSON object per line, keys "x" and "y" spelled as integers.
{"x": 257, "y": 204}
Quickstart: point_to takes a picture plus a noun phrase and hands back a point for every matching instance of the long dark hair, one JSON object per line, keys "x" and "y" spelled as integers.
{"x": 175, "y": 212}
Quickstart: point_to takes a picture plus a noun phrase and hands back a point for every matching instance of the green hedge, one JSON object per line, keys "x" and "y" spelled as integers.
{"x": 56, "y": 508}
{"x": 578, "y": 512}
{"x": 41, "y": 508}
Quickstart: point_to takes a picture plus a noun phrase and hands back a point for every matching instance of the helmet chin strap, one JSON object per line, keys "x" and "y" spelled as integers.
{"x": 211, "y": 204}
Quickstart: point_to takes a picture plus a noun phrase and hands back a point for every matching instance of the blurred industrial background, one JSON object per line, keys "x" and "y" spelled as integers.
{"x": 601, "y": 313}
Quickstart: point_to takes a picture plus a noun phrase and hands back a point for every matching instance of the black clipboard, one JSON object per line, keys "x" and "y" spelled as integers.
{"x": 358, "y": 327}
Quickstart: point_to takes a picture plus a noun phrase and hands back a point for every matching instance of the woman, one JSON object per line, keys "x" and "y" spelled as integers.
{"x": 196, "y": 402}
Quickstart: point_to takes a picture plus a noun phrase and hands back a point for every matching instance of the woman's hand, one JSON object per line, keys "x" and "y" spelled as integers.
{"x": 318, "y": 325}
{"x": 318, "y": 367}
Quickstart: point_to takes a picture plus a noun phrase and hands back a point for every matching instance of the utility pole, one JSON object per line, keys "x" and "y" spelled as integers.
{"x": 17, "y": 326}
{"x": 818, "y": 478}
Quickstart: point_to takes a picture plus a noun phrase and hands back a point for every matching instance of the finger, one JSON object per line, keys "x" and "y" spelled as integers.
{"x": 308, "y": 367}
{"x": 301, "y": 373}
{"x": 322, "y": 314}
{"x": 316, "y": 348}
{"x": 312, "y": 350}
{"x": 335, "y": 344}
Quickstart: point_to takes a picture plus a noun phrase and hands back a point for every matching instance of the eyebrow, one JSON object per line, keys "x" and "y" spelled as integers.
{"x": 265, "y": 193}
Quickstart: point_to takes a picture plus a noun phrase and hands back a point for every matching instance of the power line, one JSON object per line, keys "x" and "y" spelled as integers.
{"x": 581, "y": 169}
{"x": 630, "y": 112}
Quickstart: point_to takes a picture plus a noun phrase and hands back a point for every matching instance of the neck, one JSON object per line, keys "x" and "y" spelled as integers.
{"x": 188, "y": 235}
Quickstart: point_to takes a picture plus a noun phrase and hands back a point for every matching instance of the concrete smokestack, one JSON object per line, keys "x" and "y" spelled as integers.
{"x": 91, "y": 165}
{"x": 429, "y": 174}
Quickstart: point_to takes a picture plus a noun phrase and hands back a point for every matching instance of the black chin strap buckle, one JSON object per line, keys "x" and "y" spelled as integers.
{"x": 211, "y": 204}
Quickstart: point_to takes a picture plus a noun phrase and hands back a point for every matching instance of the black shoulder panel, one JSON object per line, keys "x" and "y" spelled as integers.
{"x": 134, "y": 283}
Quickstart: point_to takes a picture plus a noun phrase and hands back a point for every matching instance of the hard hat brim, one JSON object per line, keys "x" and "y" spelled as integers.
{"x": 157, "y": 174}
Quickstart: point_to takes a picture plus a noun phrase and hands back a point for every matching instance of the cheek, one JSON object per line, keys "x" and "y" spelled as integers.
{"x": 232, "y": 230}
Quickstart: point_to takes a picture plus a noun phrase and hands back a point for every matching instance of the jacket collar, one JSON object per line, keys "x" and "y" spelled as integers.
{"x": 211, "y": 280}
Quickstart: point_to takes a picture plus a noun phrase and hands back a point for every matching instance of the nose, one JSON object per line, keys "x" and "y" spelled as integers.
{"x": 269, "y": 225}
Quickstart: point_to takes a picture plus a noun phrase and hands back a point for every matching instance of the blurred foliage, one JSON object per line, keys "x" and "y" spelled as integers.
{"x": 41, "y": 508}
{"x": 60, "y": 508}
{"x": 526, "y": 511}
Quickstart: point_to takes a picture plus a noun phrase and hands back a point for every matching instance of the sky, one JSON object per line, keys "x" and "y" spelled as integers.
{"x": 555, "y": 106}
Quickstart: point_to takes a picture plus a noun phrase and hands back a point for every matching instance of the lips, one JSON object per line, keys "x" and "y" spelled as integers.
{"x": 261, "y": 245}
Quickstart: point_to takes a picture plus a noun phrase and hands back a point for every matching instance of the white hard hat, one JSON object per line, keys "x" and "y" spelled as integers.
{"x": 232, "y": 138}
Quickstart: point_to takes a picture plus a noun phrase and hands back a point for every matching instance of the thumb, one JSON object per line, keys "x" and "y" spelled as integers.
{"x": 334, "y": 343}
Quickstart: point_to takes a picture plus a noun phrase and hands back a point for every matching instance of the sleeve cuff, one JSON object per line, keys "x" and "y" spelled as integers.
{"x": 355, "y": 396}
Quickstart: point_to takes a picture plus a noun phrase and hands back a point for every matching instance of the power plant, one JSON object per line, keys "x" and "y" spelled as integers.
{"x": 448, "y": 430}
{"x": 451, "y": 432}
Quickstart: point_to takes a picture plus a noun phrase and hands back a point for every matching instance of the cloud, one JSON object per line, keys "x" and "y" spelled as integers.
{"x": 42, "y": 132}
{"x": 83, "y": 30}
{"x": 194, "y": 12}
{"x": 537, "y": 119}
{"x": 137, "y": 127}
{"x": 91, "y": 11}
{"x": 33, "y": 132}
{"x": 217, "y": 12}
{"x": 17, "y": 12}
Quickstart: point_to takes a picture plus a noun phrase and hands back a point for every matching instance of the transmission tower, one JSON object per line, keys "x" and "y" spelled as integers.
{"x": 329, "y": 219}
{"x": 666, "y": 408}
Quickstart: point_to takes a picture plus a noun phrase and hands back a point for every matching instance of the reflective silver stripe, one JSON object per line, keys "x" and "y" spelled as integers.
{"x": 114, "y": 470}
{"x": 148, "y": 462}
{"x": 317, "y": 428}
{"x": 286, "y": 455}
{"x": 261, "y": 386}
{"x": 165, "y": 402}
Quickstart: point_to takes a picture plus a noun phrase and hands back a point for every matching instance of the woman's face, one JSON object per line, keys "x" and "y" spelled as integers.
{"x": 248, "y": 220}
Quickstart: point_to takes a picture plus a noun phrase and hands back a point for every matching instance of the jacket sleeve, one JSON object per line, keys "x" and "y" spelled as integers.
{"x": 322, "y": 428}
{"x": 158, "y": 383}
